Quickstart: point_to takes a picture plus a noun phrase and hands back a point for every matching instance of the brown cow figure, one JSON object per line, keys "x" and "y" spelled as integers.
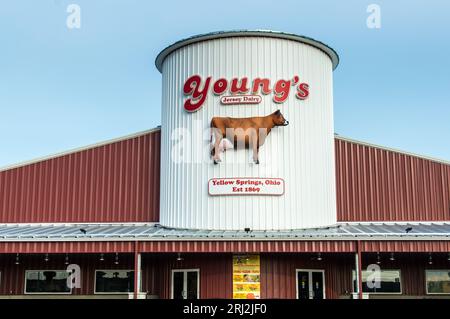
{"x": 243, "y": 132}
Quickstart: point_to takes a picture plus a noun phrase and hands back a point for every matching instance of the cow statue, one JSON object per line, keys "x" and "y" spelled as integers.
{"x": 228, "y": 132}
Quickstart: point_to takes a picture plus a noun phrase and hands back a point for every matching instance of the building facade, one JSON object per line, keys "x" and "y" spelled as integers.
{"x": 294, "y": 212}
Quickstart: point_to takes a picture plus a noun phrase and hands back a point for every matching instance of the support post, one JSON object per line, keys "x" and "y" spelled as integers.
{"x": 358, "y": 269}
{"x": 137, "y": 270}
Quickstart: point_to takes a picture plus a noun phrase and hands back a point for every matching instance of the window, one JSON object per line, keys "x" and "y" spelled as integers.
{"x": 310, "y": 284}
{"x": 390, "y": 282}
{"x": 114, "y": 281}
{"x": 437, "y": 281}
{"x": 185, "y": 284}
{"x": 46, "y": 282}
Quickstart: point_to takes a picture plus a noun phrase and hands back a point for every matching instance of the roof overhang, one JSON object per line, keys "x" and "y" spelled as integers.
{"x": 155, "y": 232}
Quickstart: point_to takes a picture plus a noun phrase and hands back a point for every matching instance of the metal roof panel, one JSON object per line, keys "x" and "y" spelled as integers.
{"x": 35, "y": 232}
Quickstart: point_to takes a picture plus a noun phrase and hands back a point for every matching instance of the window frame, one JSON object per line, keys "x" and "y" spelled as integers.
{"x": 185, "y": 270}
{"x": 310, "y": 271}
{"x": 426, "y": 283}
{"x": 112, "y": 292}
{"x": 380, "y": 293}
{"x": 44, "y": 293}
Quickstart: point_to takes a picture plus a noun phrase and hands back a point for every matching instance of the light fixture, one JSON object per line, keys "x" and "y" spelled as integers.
{"x": 179, "y": 258}
{"x": 378, "y": 259}
{"x": 17, "y": 259}
{"x": 102, "y": 257}
{"x": 448, "y": 257}
{"x": 46, "y": 259}
{"x": 116, "y": 259}
{"x": 319, "y": 256}
{"x": 66, "y": 260}
{"x": 430, "y": 259}
{"x": 392, "y": 258}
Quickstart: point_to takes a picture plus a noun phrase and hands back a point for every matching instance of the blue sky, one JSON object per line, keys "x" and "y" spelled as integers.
{"x": 63, "y": 88}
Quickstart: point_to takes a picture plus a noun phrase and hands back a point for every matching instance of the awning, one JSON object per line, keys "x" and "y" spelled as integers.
{"x": 155, "y": 232}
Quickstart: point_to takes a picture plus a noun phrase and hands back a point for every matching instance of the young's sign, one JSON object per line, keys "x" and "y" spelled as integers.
{"x": 241, "y": 99}
{"x": 240, "y": 91}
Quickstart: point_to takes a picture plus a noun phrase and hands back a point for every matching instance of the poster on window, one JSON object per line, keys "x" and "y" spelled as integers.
{"x": 246, "y": 277}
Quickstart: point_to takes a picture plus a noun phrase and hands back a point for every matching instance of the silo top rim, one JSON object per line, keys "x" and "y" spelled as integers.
{"x": 246, "y": 33}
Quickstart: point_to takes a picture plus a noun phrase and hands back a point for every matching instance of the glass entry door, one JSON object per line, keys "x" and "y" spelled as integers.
{"x": 310, "y": 284}
{"x": 185, "y": 284}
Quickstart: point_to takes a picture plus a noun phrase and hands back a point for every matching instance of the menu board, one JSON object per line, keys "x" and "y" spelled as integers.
{"x": 246, "y": 277}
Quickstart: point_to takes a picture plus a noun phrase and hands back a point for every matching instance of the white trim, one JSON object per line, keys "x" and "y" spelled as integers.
{"x": 185, "y": 271}
{"x": 381, "y": 293}
{"x": 309, "y": 271}
{"x": 79, "y": 149}
{"x": 110, "y": 293}
{"x": 426, "y": 285}
{"x": 44, "y": 293}
{"x": 429, "y": 158}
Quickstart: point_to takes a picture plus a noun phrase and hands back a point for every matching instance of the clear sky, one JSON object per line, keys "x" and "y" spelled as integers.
{"x": 63, "y": 88}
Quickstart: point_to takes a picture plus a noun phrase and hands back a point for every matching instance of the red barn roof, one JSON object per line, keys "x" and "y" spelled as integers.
{"x": 115, "y": 181}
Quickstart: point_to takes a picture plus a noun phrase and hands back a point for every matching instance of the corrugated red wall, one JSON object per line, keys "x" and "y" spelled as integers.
{"x": 374, "y": 184}
{"x": 184, "y": 246}
{"x": 288, "y": 246}
{"x": 215, "y": 273}
{"x": 277, "y": 271}
{"x": 116, "y": 182}
{"x": 412, "y": 269}
{"x": 119, "y": 182}
{"x": 13, "y": 276}
{"x": 278, "y": 274}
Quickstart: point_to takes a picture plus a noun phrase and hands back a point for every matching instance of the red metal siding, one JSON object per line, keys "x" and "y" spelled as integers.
{"x": 248, "y": 246}
{"x": 215, "y": 273}
{"x": 178, "y": 246}
{"x": 338, "y": 246}
{"x": 13, "y": 276}
{"x": 277, "y": 271}
{"x": 412, "y": 269}
{"x": 278, "y": 274}
{"x": 116, "y": 182}
{"x": 67, "y": 247}
{"x": 406, "y": 246}
{"x": 375, "y": 184}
